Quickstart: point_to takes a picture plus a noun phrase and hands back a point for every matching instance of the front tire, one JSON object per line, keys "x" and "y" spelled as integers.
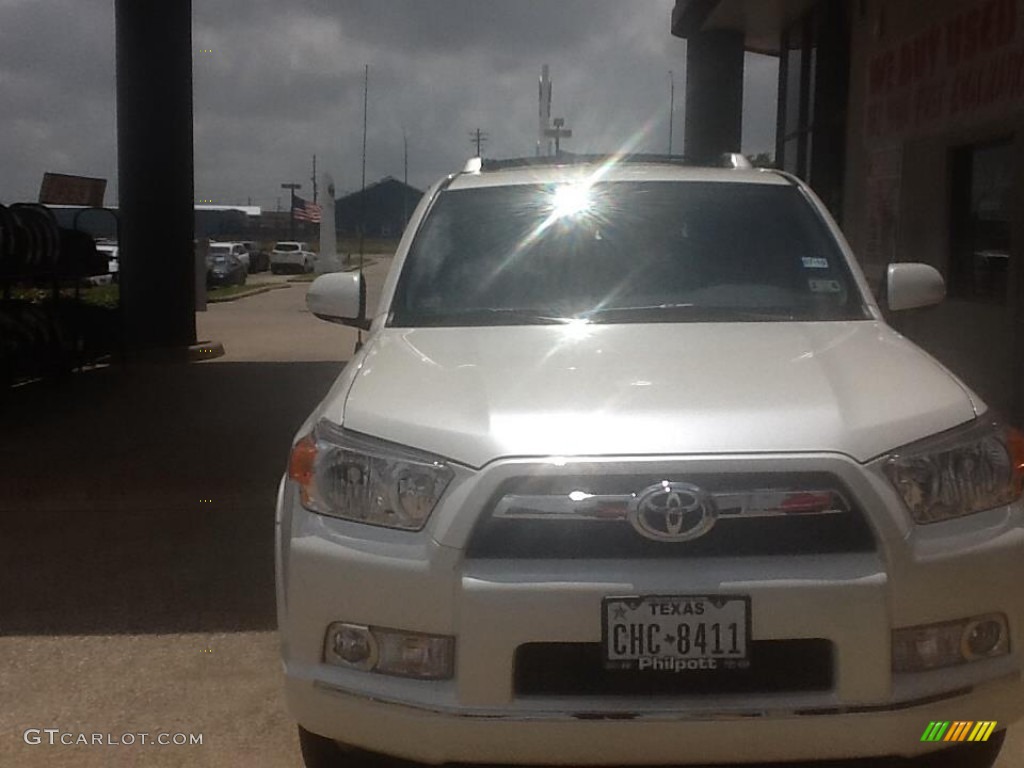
{"x": 319, "y": 751}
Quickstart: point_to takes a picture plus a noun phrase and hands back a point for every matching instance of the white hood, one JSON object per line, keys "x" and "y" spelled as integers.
{"x": 477, "y": 394}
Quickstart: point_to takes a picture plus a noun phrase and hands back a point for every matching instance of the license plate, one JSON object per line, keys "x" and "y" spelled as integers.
{"x": 676, "y": 633}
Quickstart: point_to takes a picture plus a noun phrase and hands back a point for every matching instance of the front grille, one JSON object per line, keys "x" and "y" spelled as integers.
{"x": 577, "y": 669}
{"x": 736, "y": 536}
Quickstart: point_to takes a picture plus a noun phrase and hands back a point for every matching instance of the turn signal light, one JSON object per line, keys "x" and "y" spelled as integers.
{"x": 301, "y": 464}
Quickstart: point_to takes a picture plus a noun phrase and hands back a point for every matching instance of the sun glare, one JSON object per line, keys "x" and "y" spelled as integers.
{"x": 571, "y": 200}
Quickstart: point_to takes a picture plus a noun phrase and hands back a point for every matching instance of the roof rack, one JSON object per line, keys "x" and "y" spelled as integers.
{"x": 476, "y": 164}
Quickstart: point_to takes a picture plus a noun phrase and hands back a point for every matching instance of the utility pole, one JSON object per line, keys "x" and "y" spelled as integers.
{"x": 313, "y": 179}
{"x": 291, "y": 208}
{"x": 479, "y": 138}
{"x": 671, "y": 108}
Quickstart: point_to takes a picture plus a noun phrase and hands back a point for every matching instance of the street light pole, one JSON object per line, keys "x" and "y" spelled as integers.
{"x": 291, "y": 208}
{"x": 671, "y": 108}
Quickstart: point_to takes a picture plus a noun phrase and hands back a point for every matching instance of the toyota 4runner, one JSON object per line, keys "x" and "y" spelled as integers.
{"x": 632, "y": 470}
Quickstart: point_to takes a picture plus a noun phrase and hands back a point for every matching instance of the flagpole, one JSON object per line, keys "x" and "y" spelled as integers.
{"x": 362, "y": 193}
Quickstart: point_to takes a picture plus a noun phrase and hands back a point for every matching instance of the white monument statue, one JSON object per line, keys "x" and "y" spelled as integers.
{"x": 329, "y": 260}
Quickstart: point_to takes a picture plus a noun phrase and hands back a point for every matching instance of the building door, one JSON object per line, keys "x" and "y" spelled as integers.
{"x": 980, "y": 218}
{"x": 970, "y": 232}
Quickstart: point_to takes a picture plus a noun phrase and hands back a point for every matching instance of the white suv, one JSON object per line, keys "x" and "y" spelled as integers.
{"x": 291, "y": 256}
{"x": 631, "y": 470}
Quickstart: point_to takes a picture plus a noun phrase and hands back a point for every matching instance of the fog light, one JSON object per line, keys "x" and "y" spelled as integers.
{"x": 985, "y": 637}
{"x": 350, "y": 645}
{"x": 390, "y": 652}
{"x": 934, "y": 646}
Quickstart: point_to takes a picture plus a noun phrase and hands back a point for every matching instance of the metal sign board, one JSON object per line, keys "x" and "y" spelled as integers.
{"x": 61, "y": 189}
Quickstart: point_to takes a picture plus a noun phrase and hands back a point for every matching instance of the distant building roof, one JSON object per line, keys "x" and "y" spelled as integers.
{"x": 386, "y": 181}
{"x": 248, "y": 210}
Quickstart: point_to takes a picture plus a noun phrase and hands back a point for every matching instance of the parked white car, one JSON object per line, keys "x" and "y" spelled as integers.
{"x": 291, "y": 256}
{"x": 239, "y": 250}
{"x": 631, "y": 470}
{"x": 110, "y": 249}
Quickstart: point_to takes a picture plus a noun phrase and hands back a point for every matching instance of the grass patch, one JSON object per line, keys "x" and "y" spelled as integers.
{"x": 107, "y": 296}
{"x": 104, "y": 296}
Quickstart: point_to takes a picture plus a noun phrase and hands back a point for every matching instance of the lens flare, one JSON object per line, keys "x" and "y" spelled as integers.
{"x": 571, "y": 200}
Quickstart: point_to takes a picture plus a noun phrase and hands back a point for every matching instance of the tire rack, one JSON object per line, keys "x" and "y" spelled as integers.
{"x": 40, "y": 340}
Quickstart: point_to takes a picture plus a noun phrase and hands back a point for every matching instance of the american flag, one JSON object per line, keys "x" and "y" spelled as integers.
{"x": 303, "y": 210}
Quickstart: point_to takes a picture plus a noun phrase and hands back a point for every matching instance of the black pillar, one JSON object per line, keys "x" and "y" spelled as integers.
{"x": 154, "y": 159}
{"x": 714, "y": 94}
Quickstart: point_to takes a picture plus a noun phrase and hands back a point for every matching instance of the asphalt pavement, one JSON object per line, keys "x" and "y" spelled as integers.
{"x": 136, "y": 548}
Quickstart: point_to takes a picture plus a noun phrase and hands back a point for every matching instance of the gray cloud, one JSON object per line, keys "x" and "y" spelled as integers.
{"x": 284, "y": 81}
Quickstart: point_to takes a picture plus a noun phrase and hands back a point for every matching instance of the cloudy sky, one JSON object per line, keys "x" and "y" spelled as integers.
{"x": 285, "y": 79}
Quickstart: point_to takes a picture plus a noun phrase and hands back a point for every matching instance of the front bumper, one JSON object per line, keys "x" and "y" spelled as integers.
{"x": 440, "y": 736}
{"x": 330, "y": 570}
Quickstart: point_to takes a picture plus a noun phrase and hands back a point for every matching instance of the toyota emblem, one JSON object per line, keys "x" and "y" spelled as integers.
{"x": 672, "y": 512}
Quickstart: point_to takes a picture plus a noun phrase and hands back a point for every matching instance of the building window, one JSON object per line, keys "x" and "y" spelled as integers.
{"x": 980, "y": 217}
{"x": 813, "y": 85}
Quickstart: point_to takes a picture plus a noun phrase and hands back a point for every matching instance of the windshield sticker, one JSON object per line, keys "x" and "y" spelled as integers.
{"x": 811, "y": 262}
{"x": 825, "y": 286}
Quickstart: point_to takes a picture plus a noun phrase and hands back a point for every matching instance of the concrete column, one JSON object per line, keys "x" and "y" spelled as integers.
{"x": 714, "y": 94}
{"x": 155, "y": 182}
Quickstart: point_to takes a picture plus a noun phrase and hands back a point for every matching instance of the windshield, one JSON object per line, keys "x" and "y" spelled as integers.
{"x": 624, "y": 252}
{"x": 286, "y": 247}
{"x": 220, "y": 250}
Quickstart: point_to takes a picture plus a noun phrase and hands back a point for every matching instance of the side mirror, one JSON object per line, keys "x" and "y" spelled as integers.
{"x": 910, "y": 286}
{"x": 339, "y": 297}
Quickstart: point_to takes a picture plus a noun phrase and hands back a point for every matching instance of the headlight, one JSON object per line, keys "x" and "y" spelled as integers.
{"x": 959, "y": 473}
{"x": 369, "y": 481}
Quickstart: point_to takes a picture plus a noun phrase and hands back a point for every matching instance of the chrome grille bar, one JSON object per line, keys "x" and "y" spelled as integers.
{"x": 580, "y": 505}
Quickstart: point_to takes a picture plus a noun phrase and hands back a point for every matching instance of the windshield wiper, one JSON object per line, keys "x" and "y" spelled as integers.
{"x": 492, "y": 316}
{"x": 685, "y": 311}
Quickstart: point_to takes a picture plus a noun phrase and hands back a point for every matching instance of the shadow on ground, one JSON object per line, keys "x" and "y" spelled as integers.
{"x": 141, "y": 499}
